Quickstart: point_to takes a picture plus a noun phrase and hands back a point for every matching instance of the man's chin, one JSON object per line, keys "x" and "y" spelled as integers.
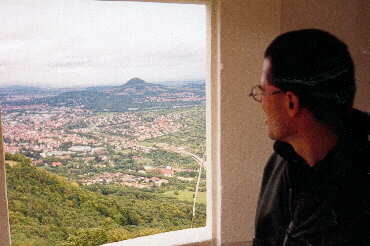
{"x": 272, "y": 136}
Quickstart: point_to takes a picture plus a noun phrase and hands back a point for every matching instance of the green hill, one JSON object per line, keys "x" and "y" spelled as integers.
{"x": 46, "y": 209}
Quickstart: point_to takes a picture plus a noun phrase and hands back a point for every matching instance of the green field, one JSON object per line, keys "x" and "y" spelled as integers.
{"x": 147, "y": 144}
{"x": 185, "y": 195}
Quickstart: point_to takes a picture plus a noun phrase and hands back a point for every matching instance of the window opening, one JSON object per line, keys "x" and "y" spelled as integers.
{"x": 103, "y": 109}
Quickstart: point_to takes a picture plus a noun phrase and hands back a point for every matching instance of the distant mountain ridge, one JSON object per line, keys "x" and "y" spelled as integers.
{"x": 21, "y": 89}
{"x": 139, "y": 86}
{"x": 135, "y": 94}
{"x": 134, "y": 82}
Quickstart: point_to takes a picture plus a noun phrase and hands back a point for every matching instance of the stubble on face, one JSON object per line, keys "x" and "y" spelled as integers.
{"x": 277, "y": 126}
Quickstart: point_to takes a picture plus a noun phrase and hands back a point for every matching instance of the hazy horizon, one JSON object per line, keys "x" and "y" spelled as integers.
{"x": 174, "y": 82}
{"x": 82, "y": 43}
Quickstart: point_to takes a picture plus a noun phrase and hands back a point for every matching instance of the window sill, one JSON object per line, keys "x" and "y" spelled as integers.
{"x": 183, "y": 237}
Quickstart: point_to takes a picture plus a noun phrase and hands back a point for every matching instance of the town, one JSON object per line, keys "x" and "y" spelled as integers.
{"x": 101, "y": 147}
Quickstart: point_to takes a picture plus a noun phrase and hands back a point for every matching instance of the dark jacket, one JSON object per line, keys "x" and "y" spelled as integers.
{"x": 324, "y": 205}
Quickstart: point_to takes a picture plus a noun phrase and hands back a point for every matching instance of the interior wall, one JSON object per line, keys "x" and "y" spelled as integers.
{"x": 348, "y": 20}
{"x": 246, "y": 27}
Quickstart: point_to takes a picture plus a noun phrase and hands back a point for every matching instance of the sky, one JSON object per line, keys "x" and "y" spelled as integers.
{"x": 68, "y": 43}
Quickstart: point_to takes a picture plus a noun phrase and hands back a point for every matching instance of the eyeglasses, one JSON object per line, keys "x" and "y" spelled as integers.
{"x": 257, "y": 92}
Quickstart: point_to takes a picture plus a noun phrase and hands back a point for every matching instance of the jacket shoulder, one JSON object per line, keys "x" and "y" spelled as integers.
{"x": 274, "y": 167}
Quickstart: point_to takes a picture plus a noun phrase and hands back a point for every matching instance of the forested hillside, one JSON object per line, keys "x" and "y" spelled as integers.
{"x": 46, "y": 209}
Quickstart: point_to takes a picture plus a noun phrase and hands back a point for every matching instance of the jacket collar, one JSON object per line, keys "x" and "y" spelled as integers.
{"x": 354, "y": 137}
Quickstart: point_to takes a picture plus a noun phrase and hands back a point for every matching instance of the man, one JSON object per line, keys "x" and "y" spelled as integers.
{"x": 315, "y": 187}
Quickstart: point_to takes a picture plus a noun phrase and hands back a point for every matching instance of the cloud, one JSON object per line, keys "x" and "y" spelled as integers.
{"x": 80, "y": 42}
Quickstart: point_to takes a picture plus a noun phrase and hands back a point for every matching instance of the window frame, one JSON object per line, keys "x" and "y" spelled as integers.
{"x": 184, "y": 237}
{"x": 4, "y": 213}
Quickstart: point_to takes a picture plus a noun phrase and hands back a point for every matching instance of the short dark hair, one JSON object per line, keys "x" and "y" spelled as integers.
{"x": 318, "y": 68}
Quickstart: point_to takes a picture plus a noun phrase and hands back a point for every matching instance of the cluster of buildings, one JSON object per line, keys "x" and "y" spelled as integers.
{"x": 176, "y": 97}
{"x": 125, "y": 179}
{"x": 40, "y": 129}
{"x": 136, "y": 180}
{"x": 48, "y": 130}
{"x": 78, "y": 134}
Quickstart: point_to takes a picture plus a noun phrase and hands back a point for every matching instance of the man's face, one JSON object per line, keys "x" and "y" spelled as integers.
{"x": 273, "y": 106}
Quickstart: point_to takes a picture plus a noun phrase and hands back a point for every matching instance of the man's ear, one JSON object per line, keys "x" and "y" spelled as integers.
{"x": 292, "y": 103}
